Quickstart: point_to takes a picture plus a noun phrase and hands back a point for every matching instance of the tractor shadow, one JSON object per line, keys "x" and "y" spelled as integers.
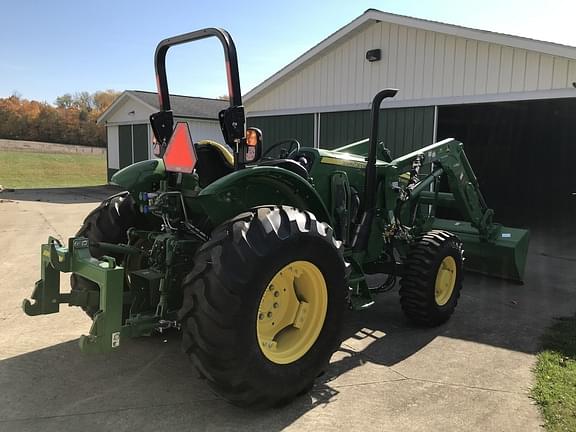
{"x": 150, "y": 384}
{"x": 503, "y": 320}
{"x": 65, "y": 195}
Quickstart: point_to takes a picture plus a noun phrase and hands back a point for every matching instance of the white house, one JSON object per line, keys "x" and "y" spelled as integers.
{"x": 128, "y": 128}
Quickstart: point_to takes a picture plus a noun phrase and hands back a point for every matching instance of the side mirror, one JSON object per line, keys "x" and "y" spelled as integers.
{"x": 251, "y": 146}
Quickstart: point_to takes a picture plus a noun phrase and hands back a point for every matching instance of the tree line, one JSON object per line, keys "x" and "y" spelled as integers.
{"x": 71, "y": 120}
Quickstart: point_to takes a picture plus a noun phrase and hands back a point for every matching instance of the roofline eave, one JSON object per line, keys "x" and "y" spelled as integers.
{"x": 374, "y": 15}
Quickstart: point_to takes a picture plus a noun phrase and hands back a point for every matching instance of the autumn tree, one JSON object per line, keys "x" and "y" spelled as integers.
{"x": 103, "y": 99}
{"x": 72, "y": 119}
{"x": 64, "y": 101}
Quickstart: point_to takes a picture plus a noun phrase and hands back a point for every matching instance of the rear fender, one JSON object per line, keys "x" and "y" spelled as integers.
{"x": 145, "y": 176}
{"x": 253, "y": 187}
{"x": 141, "y": 176}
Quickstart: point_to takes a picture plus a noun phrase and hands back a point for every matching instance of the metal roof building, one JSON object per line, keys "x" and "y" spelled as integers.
{"x": 509, "y": 99}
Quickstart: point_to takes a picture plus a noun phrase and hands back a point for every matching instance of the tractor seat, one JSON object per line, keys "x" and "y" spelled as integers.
{"x": 287, "y": 164}
{"x": 214, "y": 161}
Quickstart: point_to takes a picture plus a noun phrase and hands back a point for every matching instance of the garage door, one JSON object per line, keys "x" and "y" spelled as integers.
{"x": 133, "y": 144}
{"x": 401, "y": 129}
{"x": 523, "y": 154}
{"x": 278, "y": 128}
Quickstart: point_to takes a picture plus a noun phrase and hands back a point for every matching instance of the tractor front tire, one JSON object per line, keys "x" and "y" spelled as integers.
{"x": 263, "y": 306}
{"x": 432, "y": 281}
{"x": 108, "y": 223}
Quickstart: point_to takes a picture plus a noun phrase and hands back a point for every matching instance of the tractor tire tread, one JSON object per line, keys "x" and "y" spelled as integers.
{"x": 416, "y": 287}
{"x": 223, "y": 267}
{"x": 109, "y": 223}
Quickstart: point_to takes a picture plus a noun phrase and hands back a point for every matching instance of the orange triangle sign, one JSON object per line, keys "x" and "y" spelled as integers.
{"x": 180, "y": 155}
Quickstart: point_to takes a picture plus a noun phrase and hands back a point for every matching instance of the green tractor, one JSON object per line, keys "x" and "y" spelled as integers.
{"x": 255, "y": 258}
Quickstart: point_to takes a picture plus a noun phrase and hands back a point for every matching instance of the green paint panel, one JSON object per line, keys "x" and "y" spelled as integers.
{"x": 125, "y": 145}
{"x": 340, "y": 128}
{"x": 140, "y": 132}
{"x": 402, "y": 129}
{"x": 407, "y": 129}
{"x": 278, "y": 128}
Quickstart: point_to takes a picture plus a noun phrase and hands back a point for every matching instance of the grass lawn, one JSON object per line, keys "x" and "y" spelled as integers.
{"x": 22, "y": 170}
{"x": 555, "y": 389}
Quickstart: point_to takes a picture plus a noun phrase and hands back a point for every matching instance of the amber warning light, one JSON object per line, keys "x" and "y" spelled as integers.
{"x": 180, "y": 155}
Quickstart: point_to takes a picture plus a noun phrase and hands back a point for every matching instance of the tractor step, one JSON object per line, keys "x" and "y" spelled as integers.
{"x": 502, "y": 256}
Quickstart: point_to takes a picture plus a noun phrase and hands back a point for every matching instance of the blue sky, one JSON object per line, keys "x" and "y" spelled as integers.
{"x": 49, "y": 48}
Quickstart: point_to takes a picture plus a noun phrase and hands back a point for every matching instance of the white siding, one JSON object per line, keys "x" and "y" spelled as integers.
{"x": 494, "y": 59}
{"x": 505, "y": 76}
{"x": 546, "y": 70}
{"x": 130, "y": 111}
{"x": 532, "y": 65}
{"x": 423, "y": 64}
{"x": 399, "y": 66}
{"x": 113, "y": 149}
{"x": 572, "y": 72}
{"x": 439, "y": 61}
{"x": 205, "y": 130}
{"x": 459, "y": 65}
{"x": 449, "y": 62}
{"x": 481, "y": 66}
{"x": 560, "y": 73}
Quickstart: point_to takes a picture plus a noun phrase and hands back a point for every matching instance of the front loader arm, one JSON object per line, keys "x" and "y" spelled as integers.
{"x": 448, "y": 158}
{"x": 490, "y": 247}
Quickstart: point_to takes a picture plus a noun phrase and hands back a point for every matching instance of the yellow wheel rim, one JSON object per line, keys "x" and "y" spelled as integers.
{"x": 445, "y": 281}
{"x": 292, "y": 312}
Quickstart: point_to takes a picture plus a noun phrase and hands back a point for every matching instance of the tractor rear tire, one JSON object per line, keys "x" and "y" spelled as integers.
{"x": 431, "y": 285}
{"x": 109, "y": 222}
{"x": 263, "y": 306}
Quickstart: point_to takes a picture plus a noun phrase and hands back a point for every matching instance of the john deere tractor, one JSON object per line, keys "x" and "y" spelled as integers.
{"x": 255, "y": 257}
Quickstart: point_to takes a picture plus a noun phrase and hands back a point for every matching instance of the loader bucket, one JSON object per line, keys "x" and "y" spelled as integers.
{"x": 503, "y": 256}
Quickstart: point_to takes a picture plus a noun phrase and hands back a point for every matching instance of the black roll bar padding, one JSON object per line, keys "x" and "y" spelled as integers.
{"x": 360, "y": 241}
{"x": 235, "y": 96}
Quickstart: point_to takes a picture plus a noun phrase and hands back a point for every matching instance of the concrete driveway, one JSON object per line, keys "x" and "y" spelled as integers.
{"x": 472, "y": 374}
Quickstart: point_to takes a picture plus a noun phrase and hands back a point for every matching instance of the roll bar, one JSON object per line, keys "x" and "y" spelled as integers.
{"x": 232, "y": 119}
{"x": 235, "y": 96}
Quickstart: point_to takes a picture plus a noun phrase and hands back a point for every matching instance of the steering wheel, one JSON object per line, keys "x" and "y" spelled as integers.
{"x": 287, "y": 147}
